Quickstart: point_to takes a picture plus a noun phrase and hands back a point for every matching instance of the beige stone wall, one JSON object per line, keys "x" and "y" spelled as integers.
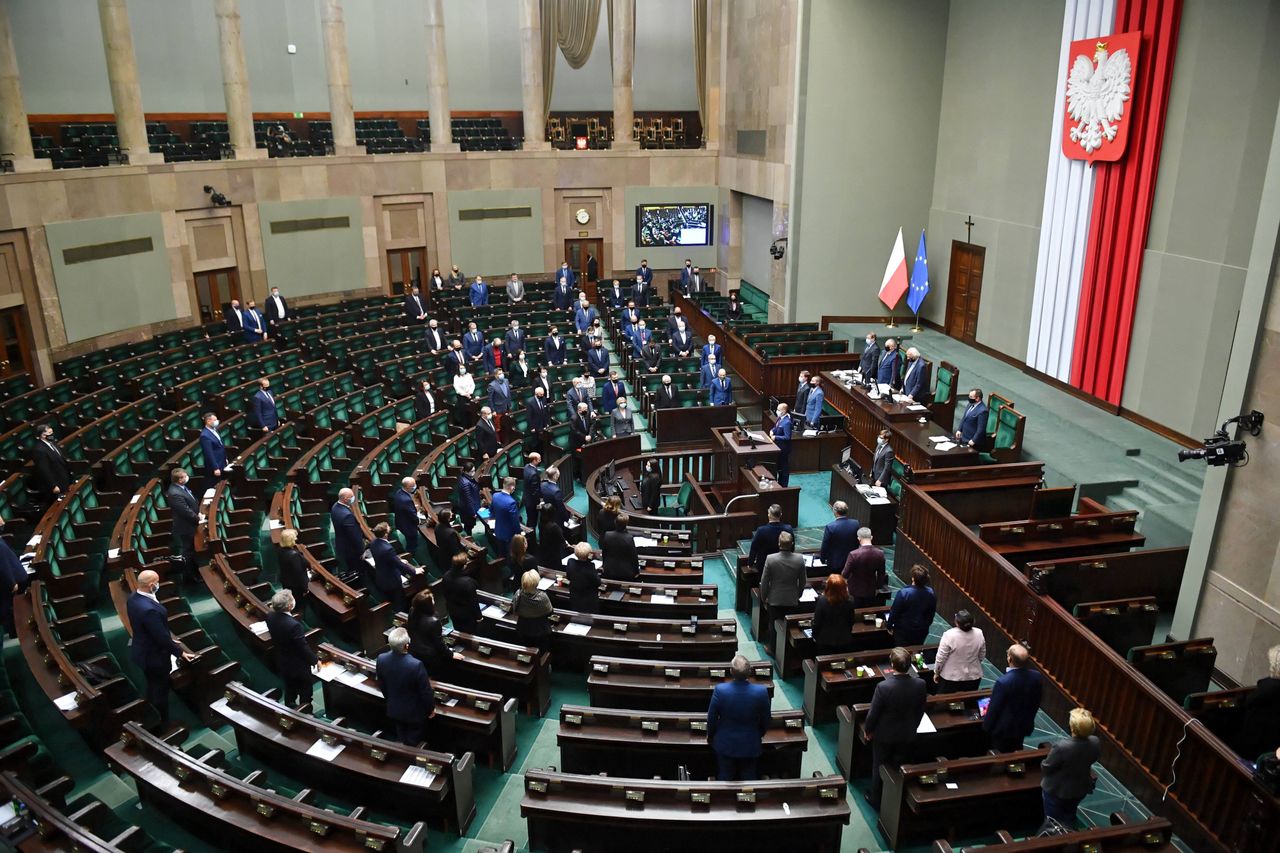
{"x": 415, "y": 185}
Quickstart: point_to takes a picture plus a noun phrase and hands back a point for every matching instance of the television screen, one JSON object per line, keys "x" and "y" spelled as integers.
{"x": 673, "y": 225}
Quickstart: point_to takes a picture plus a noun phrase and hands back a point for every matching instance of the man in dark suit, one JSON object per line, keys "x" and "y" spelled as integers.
{"x": 499, "y": 394}
{"x": 764, "y": 542}
{"x": 973, "y": 424}
{"x": 563, "y": 296}
{"x": 839, "y": 537}
{"x": 486, "y": 433}
{"x": 473, "y": 345}
{"x": 1015, "y": 700}
{"x": 711, "y": 348}
{"x": 255, "y": 326}
{"x": 186, "y": 517}
{"x": 494, "y": 356}
{"x": 555, "y": 348}
{"x": 506, "y": 516}
{"x": 538, "y": 416}
{"x": 618, "y": 551}
{"x": 434, "y": 337}
{"x": 415, "y": 312}
{"x": 869, "y": 361}
{"x": 913, "y": 381}
{"x": 652, "y": 356}
{"x": 781, "y": 435}
{"x": 152, "y": 646}
{"x": 737, "y": 720}
{"x": 864, "y": 571}
{"x": 406, "y": 687}
{"x": 389, "y": 569}
{"x": 802, "y": 394}
{"x": 889, "y": 367}
{"x": 515, "y": 339}
{"x": 264, "y": 407}
{"x": 686, "y": 274}
{"x": 645, "y": 274}
{"x": 582, "y": 426}
{"x": 542, "y": 379}
{"x": 629, "y": 318}
{"x": 405, "y": 510}
{"x": 294, "y": 655}
{"x": 348, "y": 540}
{"x": 213, "y": 450}
{"x": 598, "y": 361}
{"x": 531, "y": 494}
{"x": 479, "y": 292}
{"x": 593, "y": 268}
{"x": 882, "y": 460}
{"x": 665, "y": 396}
{"x": 13, "y": 579}
{"x": 469, "y": 496}
{"x": 52, "y": 476}
{"x": 896, "y": 709}
{"x": 233, "y": 319}
{"x": 616, "y": 295}
{"x": 552, "y": 496}
{"x": 566, "y": 272}
{"x": 277, "y": 315}
{"x": 611, "y": 391}
{"x": 721, "y": 389}
{"x": 681, "y": 343}
{"x": 640, "y": 291}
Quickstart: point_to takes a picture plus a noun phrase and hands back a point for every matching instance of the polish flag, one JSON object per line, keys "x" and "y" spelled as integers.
{"x": 895, "y": 275}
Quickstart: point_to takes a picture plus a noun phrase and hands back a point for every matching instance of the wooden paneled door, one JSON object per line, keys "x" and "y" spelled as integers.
{"x": 15, "y": 342}
{"x": 579, "y": 252}
{"x": 405, "y": 269}
{"x": 214, "y": 289}
{"x": 964, "y": 290}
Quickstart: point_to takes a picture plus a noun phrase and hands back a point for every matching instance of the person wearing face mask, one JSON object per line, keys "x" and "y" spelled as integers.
{"x": 710, "y": 369}
{"x": 686, "y": 275}
{"x": 415, "y": 310}
{"x": 612, "y": 390}
{"x": 889, "y": 368}
{"x": 652, "y": 356}
{"x": 882, "y": 461}
{"x": 623, "y": 422}
{"x": 562, "y": 296}
{"x": 456, "y": 361}
{"x": 734, "y": 312}
{"x": 52, "y": 476}
{"x": 584, "y": 315}
{"x": 495, "y": 356}
{"x": 277, "y": 314}
{"x": 479, "y": 293}
{"x": 348, "y": 539}
{"x": 152, "y": 646}
{"x": 13, "y": 579}
{"x": 434, "y": 337}
{"x": 870, "y": 359}
{"x": 814, "y": 402}
{"x": 185, "y": 510}
{"x": 264, "y": 407}
{"x": 456, "y": 278}
{"x": 473, "y": 345}
{"x": 233, "y": 319}
{"x": 213, "y": 449}
{"x": 802, "y": 394}
{"x": 651, "y": 487}
{"x": 598, "y": 360}
{"x": 555, "y": 347}
{"x": 665, "y": 396}
{"x": 640, "y": 292}
{"x": 913, "y": 381}
{"x": 640, "y": 338}
{"x": 721, "y": 389}
{"x": 436, "y": 282}
{"x": 781, "y": 435}
{"x": 973, "y": 424}
{"x": 515, "y": 289}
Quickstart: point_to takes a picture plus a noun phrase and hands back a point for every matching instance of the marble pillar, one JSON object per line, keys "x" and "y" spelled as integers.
{"x": 535, "y": 120}
{"x": 716, "y": 11}
{"x": 15, "y": 133}
{"x": 235, "y": 81}
{"x": 122, "y": 73}
{"x": 341, "y": 116}
{"x": 438, "y": 79}
{"x": 624, "y": 53}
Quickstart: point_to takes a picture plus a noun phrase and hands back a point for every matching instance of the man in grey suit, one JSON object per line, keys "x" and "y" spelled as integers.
{"x": 623, "y": 422}
{"x": 783, "y": 578}
{"x": 186, "y": 517}
{"x": 515, "y": 289}
{"x": 882, "y": 462}
{"x": 896, "y": 709}
{"x": 870, "y": 359}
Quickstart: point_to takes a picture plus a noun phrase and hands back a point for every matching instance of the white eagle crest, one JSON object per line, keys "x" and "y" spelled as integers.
{"x": 1096, "y": 96}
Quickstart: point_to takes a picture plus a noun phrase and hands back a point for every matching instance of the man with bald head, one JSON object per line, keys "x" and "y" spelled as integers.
{"x": 406, "y": 513}
{"x": 152, "y": 647}
{"x": 1015, "y": 699}
{"x": 348, "y": 539}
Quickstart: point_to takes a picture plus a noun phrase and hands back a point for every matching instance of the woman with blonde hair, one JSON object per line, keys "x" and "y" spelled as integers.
{"x": 532, "y": 608}
{"x": 1066, "y": 775}
{"x": 607, "y": 518}
{"x": 292, "y": 566}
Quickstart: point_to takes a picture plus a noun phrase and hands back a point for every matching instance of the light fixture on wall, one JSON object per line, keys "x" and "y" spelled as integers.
{"x": 218, "y": 199}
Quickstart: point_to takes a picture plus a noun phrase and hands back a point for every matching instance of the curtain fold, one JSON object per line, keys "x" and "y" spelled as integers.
{"x": 700, "y": 59}
{"x": 571, "y": 27}
{"x": 548, "y": 15}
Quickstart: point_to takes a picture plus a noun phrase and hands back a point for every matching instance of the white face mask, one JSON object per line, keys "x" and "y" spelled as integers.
{"x": 213, "y": 424}
{"x": 880, "y": 442}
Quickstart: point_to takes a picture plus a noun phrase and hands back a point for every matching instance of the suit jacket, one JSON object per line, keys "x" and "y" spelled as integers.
{"x": 802, "y": 399}
{"x": 567, "y": 272}
{"x": 646, "y": 275}
{"x": 473, "y": 344}
{"x": 708, "y": 375}
{"x": 562, "y": 297}
{"x": 686, "y": 275}
{"x": 405, "y": 686}
{"x": 486, "y": 437}
{"x": 1015, "y": 699}
{"x": 913, "y": 384}
{"x": 531, "y": 494}
{"x": 651, "y": 493}
{"x": 581, "y": 430}
{"x": 639, "y": 338}
{"x": 264, "y": 410}
{"x": 434, "y": 338}
{"x": 468, "y": 494}
{"x": 461, "y": 599}
{"x": 734, "y": 311}
{"x": 556, "y": 354}
{"x": 152, "y": 644}
{"x": 640, "y": 293}
{"x": 185, "y": 510}
{"x": 406, "y": 515}
{"x": 500, "y": 396}
{"x": 233, "y": 320}
{"x": 813, "y": 405}
{"x": 448, "y": 543}
{"x": 255, "y": 326}
{"x": 493, "y": 358}
{"x": 652, "y": 355}
{"x": 584, "y": 317}
{"x": 609, "y": 394}
{"x": 50, "y": 468}
{"x": 738, "y": 718}
{"x": 912, "y": 611}
{"x": 506, "y": 516}
{"x": 882, "y": 465}
{"x": 621, "y": 562}
{"x": 973, "y": 423}
{"x": 833, "y": 622}
{"x": 388, "y": 568}
{"x": 718, "y": 351}
{"x": 584, "y": 585}
{"x": 456, "y": 279}
{"x": 869, "y": 362}
{"x": 839, "y": 537}
{"x": 574, "y": 396}
{"x": 514, "y": 341}
{"x": 426, "y": 641}
{"x": 520, "y": 372}
{"x": 293, "y": 573}
{"x": 478, "y": 294}
{"x": 413, "y": 307}
{"x": 598, "y": 361}
{"x": 1066, "y": 772}
{"x": 629, "y": 318}
{"x": 515, "y": 290}
{"x": 276, "y": 313}
{"x": 896, "y": 708}
{"x": 887, "y": 368}
{"x": 765, "y": 542}
{"x": 213, "y": 450}
{"x": 617, "y": 296}
{"x": 424, "y": 406}
{"x": 539, "y": 414}
{"x": 11, "y": 574}
{"x": 665, "y": 397}
{"x": 1260, "y": 728}
{"x": 294, "y": 657}
{"x": 783, "y": 579}
{"x": 456, "y": 361}
{"x": 550, "y": 493}
{"x": 681, "y": 342}
{"x": 864, "y": 571}
{"x": 348, "y": 539}
{"x": 722, "y": 392}
{"x": 623, "y": 422}
{"x": 781, "y": 434}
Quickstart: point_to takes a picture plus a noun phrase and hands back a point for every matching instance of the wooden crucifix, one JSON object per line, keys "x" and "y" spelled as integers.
{"x": 968, "y": 224}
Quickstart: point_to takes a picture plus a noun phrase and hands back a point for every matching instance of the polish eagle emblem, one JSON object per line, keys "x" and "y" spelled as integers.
{"x": 1100, "y": 91}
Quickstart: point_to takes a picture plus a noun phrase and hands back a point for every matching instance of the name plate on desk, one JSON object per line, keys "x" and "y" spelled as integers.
{"x": 829, "y": 793}
{"x": 671, "y": 673}
{"x": 635, "y": 590}
{"x": 717, "y": 673}
{"x": 796, "y": 723}
{"x": 728, "y": 628}
{"x": 668, "y": 564}
{"x": 484, "y": 650}
{"x": 837, "y": 666}
{"x": 264, "y": 809}
{"x": 482, "y": 705}
{"x": 763, "y": 672}
{"x": 601, "y": 667}
{"x": 1015, "y": 768}
{"x": 688, "y": 629}
{"x": 635, "y": 796}
{"x": 524, "y": 658}
{"x": 537, "y": 786}
{"x": 700, "y": 798}
{"x": 955, "y": 706}
{"x": 649, "y": 725}
{"x": 573, "y": 719}
{"x": 746, "y": 798}
{"x": 698, "y": 726}
{"x": 318, "y": 827}
{"x": 378, "y": 754}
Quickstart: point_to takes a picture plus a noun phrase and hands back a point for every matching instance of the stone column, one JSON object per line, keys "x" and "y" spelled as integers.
{"x": 716, "y": 13}
{"x": 624, "y": 53}
{"x": 15, "y": 133}
{"x": 438, "y": 79}
{"x": 535, "y": 120}
{"x": 235, "y": 81}
{"x": 122, "y": 72}
{"x": 341, "y": 117}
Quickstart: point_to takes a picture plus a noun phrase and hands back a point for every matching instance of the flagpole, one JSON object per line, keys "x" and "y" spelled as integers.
{"x": 916, "y": 327}
{"x": 891, "y": 324}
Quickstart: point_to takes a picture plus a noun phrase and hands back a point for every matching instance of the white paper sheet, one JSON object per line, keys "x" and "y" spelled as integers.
{"x": 324, "y": 751}
{"x": 546, "y": 583}
{"x": 353, "y": 677}
{"x": 916, "y": 407}
{"x": 417, "y": 775}
{"x": 645, "y": 542}
{"x": 936, "y": 439}
{"x": 945, "y": 445}
{"x": 809, "y": 594}
{"x": 260, "y": 628}
{"x": 662, "y": 599}
{"x": 113, "y": 553}
{"x": 577, "y": 629}
{"x": 276, "y": 524}
{"x": 66, "y": 702}
{"x": 328, "y": 671}
{"x": 493, "y": 611}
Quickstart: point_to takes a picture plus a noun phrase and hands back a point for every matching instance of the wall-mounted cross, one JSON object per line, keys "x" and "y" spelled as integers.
{"x": 968, "y": 224}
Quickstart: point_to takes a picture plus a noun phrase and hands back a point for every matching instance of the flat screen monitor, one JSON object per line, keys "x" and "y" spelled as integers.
{"x": 578, "y": 129}
{"x": 845, "y": 454}
{"x": 674, "y": 224}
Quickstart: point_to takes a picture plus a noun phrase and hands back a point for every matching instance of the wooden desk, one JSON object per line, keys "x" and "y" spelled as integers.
{"x": 596, "y": 454}
{"x": 882, "y": 518}
{"x": 796, "y": 646}
{"x": 814, "y": 452}
{"x": 958, "y": 732}
{"x": 832, "y": 680}
{"x": 690, "y": 424}
{"x": 662, "y": 685}
{"x": 759, "y": 481}
{"x": 1122, "y": 836}
{"x": 741, "y": 451}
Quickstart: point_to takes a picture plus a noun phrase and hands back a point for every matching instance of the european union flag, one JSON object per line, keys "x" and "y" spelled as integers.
{"x": 919, "y": 278}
